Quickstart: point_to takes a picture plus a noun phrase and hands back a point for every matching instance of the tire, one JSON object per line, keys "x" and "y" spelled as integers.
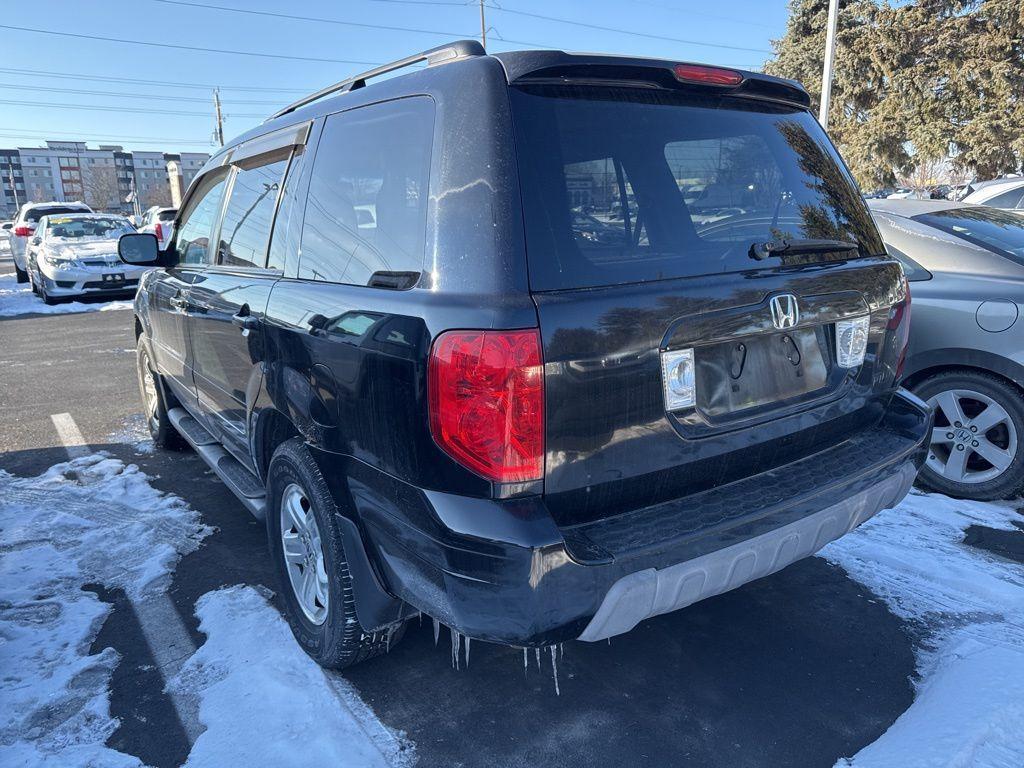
{"x": 20, "y": 274}
{"x": 966, "y": 471}
{"x": 330, "y": 633}
{"x": 47, "y": 298}
{"x": 155, "y": 401}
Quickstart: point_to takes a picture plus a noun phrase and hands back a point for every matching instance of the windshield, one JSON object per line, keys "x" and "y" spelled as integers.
{"x": 35, "y": 214}
{"x": 73, "y": 229}
{"x": 624, "y": 185}
{"x": 999, "y": 231}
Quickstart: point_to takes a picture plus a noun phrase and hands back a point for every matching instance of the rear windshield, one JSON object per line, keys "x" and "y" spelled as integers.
{"x": 73, "y": 229}
{"x": 624, "y": 185}
{"x": 167, "y": 215}
{"x": 35, "y": 214}
{"x": 999, "y": 231}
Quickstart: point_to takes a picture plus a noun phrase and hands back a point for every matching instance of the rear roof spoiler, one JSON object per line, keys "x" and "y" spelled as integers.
{"x": 443, "y": 54}
{"x": 553, "y": 66}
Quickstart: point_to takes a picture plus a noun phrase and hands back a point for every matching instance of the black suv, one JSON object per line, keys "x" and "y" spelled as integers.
{"x": 537, "y": 344}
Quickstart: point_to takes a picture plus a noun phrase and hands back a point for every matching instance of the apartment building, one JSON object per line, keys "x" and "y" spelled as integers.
{"x": 103, "y": 177}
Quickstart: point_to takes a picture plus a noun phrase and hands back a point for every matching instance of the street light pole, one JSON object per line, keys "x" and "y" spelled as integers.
{"x": 830, "y": 55}
{"x": 483, "y": 26}
{"x": 219, "y": 129}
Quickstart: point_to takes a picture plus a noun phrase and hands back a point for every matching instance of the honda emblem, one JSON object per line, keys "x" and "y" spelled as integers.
{"x": 785, "y": 311}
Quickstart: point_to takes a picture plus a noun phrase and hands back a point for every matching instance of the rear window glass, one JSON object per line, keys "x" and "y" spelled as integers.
{"x": 625, "y": 185}
{"x": 166, "y": 215}
{"x": 36, "y": 214}
{"x": 73, "y": 229}
{"x": 999, "y": 231}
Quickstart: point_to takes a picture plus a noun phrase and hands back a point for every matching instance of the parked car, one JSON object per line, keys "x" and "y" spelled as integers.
{"x": 25, "y": 227}
{"x": 76, "y": 255}
{"x": 464, "y": 406}
{"x": 159, "y": 221}
{"x": 6, "y": 231}
{"x": 1006, "y": 194}
{"x": 966, "y": 354}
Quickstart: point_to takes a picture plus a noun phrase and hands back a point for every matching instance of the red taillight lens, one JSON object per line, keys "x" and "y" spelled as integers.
{"x": 22, "y": 231}
{"x": 694, "y": 73}
{"x": 899, "y": 321}
{"x": 487, "y": 402}
{"x": 159, "y": 232}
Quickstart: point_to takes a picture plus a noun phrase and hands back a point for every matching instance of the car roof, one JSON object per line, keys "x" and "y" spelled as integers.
{"x": 85, "y": 215}
{"x": 996, "y": 188}
{"x": 908, "y": 208}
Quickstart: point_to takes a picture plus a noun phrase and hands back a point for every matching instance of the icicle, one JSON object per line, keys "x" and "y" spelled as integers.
{"x": 456, "y": 639}
{"x": 437, "y": 631}
{"x": 561, "y": 650}
{"x": 554, "y": 669}
{"x": 387, "y": 641}
{"x": 537, "y": 651}
{"x": 525, "y": 664}
{"x": 467, "y": 651}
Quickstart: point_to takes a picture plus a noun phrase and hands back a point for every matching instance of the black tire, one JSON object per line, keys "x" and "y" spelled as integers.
{"x": 20, "y": 274}
{"x": 47, "y": 298}
{"x": 160, "y": 428}
{"x": 1010, "y": 482}
{"x": 339, "y": 641}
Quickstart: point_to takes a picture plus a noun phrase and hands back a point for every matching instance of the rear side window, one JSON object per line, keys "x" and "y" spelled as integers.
{"x": 367, "y": 204}
{"x": 192, "y": 238}
{"x": 245, "y": 231}
{"x": 624, "y": 185}
{"x": 1011, "y": 199}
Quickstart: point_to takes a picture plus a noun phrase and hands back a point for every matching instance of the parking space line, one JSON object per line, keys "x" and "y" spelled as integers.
{"x": 170, "y": 644}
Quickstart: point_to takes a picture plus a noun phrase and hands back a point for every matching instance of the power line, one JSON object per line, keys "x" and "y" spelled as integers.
{"x": 626, "y": 31}
{"x": 160, "y": 97}
{"x": 111, "y": 79}
{"x": 321, "y": 20}
{"x": 97, "y": 136}
{"x": 106, "y": 140}
{"x": 105, "y": 108}
{"x": 705, "y": 14}
{"x": 186, "y": 47}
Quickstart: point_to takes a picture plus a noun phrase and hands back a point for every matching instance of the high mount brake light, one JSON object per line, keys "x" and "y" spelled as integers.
{"x": 695, "y": 73}
{"x": 486, "y": 394}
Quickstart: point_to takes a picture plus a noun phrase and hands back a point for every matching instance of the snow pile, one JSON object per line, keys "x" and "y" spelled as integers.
{"x": 265, "y": 703}
{"x": 91, "y": 520}
{"x": 969, "y": 704}
{"x": 18, "y": 299}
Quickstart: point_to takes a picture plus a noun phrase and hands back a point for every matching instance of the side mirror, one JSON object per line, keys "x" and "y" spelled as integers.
{"x": 36, "y": 240}
{"x": 138, "y": 248}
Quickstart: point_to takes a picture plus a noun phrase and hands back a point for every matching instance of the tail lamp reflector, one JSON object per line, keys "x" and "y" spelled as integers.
{"x": 695, "y": 73}
{"x": 486, "y": 394}
{"x": 679, "y": 379}
{"x": 852, "y": 341}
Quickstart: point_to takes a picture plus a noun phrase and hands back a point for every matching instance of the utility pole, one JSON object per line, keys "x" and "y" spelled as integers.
{"x": 830, "y": 55}
{"x": 220, "y": 119}
{"x": 14, "y": 188}
{"x": 483, "y": 26}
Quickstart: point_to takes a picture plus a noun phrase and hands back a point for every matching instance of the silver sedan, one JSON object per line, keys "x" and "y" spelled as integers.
{"x": 965, "y": 264}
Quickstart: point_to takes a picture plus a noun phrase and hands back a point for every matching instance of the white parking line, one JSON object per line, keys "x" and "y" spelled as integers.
{"x": 169, "y": 641}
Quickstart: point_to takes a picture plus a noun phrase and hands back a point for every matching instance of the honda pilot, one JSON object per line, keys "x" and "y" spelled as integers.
{"x": 539, "y": 345}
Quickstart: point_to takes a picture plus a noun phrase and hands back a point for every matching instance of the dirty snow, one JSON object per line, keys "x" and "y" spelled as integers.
{"x": 265, "y": 703}
{"x": 92, "y": 520}
{"x": 18, "y": 299}
{"x": 968, "y": 707}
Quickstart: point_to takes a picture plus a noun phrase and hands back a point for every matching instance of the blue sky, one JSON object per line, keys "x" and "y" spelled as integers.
{"x": 39, "y": 67}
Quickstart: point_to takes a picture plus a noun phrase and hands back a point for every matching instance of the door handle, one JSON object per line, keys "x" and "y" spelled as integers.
{"x": 246, "y": 321}
{"x": 179, "y": 302}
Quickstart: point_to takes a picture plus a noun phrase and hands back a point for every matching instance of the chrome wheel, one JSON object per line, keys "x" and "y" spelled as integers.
{"x": 147, "y": 385}
{"x": 303, "y": 554}
{"x": 974, "y": 439}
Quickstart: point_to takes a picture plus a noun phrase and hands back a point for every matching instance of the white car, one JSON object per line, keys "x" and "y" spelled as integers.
{"x": 159, "y": 221}
{"x": 1007, "y": 195}
{"x": 6, "y": 232}
{"x": 76, "y": 255}
{"x": 25, "y": 227}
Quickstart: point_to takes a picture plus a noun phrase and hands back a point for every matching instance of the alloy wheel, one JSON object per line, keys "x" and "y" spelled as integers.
{"x": 303, "y": 554}
{"x": 974, "y": 439}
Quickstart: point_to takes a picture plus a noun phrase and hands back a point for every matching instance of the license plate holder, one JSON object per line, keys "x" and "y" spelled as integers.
{"x": 113, "y": 279}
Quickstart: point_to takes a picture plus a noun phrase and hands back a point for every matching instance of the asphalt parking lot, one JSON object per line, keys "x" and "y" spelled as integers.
{"x": 800, "y": 669}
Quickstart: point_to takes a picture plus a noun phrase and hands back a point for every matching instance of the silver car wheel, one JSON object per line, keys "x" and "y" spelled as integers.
{"x": 974, "y": 439}
{"x": 147, "y": 384}
{"x": 303, "y": 554}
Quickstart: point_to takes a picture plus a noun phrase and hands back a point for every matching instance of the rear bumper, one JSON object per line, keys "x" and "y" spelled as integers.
{"x": 503, "y": 571}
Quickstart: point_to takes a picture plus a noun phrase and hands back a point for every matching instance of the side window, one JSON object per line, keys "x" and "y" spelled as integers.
{"x": 245, "y": 232}
{"x": 192, "y": 240}
{"x": 367, "y": 204}
{"x": 1010, "y": 199}
{"x": 914, "y": 271}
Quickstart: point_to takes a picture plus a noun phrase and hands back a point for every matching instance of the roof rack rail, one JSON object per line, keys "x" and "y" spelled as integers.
{"x": 459, "y": 49}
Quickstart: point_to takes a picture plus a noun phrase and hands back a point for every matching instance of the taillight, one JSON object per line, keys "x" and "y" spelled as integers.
{"x": 899, "y": 321}
{"x": 486, "y": 392}
{"x": 159, "y": 232}
{"x": 23, "y": 231}
{"x": 695, "y": 73}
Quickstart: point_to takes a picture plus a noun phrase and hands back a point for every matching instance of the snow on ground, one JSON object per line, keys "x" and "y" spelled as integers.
{"x": 92, "y": 520}
{"x": 18, "y": 299}
{"x": 134, "y": 432}
{"x": 968, "y": 708}
{"x": 265, "y": 703}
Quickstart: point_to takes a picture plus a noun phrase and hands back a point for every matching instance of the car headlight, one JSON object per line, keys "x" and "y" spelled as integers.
{"x": 58, "y": 262}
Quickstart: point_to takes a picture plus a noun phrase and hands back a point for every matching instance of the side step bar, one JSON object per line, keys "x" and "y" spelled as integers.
{"x": 243, "y": 483}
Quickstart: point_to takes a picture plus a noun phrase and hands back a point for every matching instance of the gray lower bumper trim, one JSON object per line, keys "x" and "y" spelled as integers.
{"x": 651, "y": 592}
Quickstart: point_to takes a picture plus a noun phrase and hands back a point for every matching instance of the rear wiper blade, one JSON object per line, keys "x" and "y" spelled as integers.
{"x": 761, "y": 251}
